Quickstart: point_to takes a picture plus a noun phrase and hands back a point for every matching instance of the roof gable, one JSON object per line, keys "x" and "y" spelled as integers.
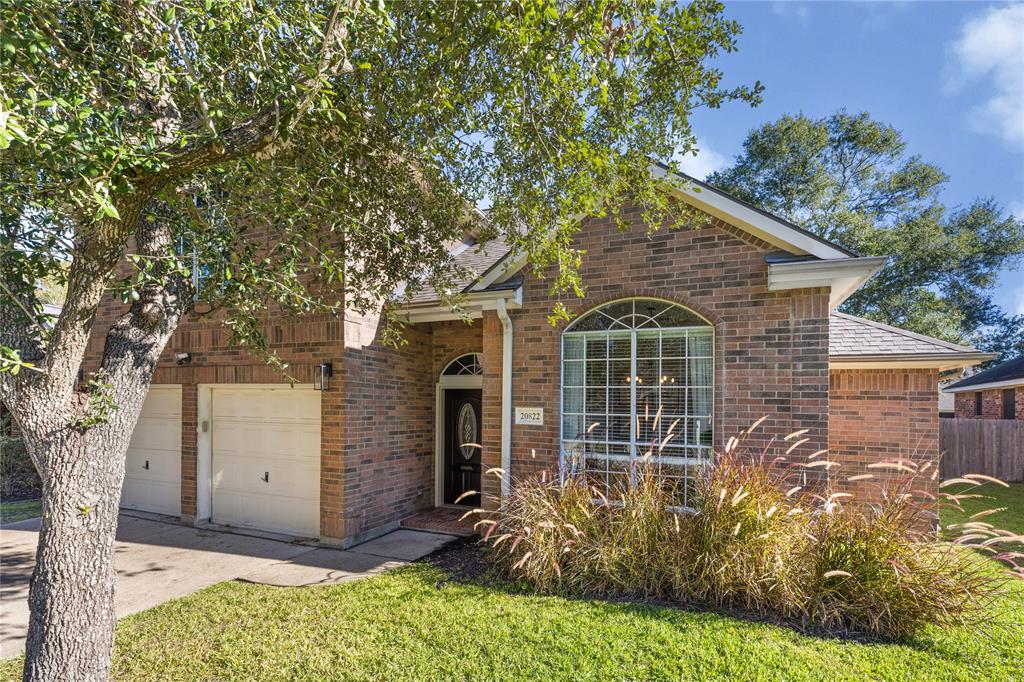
{"x": 766, "y": 226}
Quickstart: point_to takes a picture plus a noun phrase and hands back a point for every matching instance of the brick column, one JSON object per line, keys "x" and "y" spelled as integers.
{"x": 491, "y": 418}
{"x": 189, "y": 452}
{"x": 332, "y": 457}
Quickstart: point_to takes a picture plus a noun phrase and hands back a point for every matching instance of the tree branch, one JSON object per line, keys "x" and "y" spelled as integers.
{"x": 263, "y": 129}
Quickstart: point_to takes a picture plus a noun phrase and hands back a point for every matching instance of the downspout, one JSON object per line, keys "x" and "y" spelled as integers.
{"x": 506, "y": 398}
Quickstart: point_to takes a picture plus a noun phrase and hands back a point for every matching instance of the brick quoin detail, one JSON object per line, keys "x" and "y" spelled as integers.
{"x": 491, "y": 418}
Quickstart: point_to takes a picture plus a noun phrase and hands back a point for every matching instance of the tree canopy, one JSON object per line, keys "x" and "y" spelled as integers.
{"x": 387, "y": 120}
{"x": 240, "y": 157}
{"x": 851, "y": 179}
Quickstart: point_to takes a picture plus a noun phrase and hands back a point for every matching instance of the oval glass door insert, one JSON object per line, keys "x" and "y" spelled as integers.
{"x": 466, "y": 429}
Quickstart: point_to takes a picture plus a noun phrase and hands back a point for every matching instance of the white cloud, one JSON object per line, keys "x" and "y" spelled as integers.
{"x": 1011, "y": 292}
{"x": 991, "y": 48}
{"x": 1016, "y": 209}
{"x": 798, "y": 10}
{"x": 705, "y": 163}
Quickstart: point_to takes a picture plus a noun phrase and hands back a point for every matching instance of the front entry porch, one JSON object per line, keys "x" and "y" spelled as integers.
{"x": 448, "y": 520}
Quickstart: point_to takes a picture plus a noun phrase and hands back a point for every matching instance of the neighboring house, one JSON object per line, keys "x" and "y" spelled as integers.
{"x": 703, "y": 330}
{"x": 995, "y": 393}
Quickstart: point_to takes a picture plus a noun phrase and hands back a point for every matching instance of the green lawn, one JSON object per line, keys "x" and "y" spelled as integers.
{"x": 408, "y": 625}
{"x": 996, "y": 496}
{"x": 411, "y": 624}
{"x": 18, "y": 511}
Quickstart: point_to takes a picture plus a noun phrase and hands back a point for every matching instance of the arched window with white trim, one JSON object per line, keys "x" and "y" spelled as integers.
{"x": 464, "y": 365}
{"x": 637, "y": 379}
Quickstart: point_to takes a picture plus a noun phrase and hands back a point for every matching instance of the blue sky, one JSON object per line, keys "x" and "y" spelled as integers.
{"x": 950, "y": 75}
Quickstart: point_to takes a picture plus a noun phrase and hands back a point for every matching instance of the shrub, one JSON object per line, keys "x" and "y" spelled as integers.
{"x": 18, "y": 476}
{"x": 760, "y": 538}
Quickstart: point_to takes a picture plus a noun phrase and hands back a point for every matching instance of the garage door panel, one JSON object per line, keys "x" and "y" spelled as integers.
{"x": 289, "y": 442}
{"x": 241, "y": 474}
{"x": 273, "y": 432}
{"x": 153, "y": 461}
{"x": 287, "y": 405}
{"x": 267, "y": 512}
{"x": 157, "y": 433}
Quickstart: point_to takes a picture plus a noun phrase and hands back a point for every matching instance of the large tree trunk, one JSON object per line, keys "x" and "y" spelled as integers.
{"x": 81, "y": 463}
{"x": 71, "y": 599}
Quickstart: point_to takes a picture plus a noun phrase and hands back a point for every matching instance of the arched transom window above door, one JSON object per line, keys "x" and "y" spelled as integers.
{"x": 638, "y": 379}
{"x": 464, "y": 366}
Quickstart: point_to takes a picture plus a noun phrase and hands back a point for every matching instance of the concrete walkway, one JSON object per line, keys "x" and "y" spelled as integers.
{"x": 157, "y": 561}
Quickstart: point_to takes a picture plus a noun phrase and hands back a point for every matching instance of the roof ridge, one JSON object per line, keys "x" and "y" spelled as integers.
{"x": 906, "y": 332}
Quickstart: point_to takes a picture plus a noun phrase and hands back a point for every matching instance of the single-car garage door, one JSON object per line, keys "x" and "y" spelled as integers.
{"x": 266, "y": 459}
{"x": 152, "y": 477}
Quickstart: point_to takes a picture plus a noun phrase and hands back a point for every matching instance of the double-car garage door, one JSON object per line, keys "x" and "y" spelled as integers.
{"x": 264, "y": 452}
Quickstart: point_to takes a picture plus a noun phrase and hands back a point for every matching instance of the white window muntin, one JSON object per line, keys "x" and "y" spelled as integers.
{"x": 608, "y": 422}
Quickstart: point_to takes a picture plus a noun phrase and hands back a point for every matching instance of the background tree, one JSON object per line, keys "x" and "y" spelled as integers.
{"x": 170, "y": 137}
{"x": 850, "y": 178}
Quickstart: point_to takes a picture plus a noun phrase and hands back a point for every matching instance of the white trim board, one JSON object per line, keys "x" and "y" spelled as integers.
{"x": 444, "y": 383}
{"x": 1006, "y": 383}
{"x": 843, "y": 276}
{"x": 941, "y": 363}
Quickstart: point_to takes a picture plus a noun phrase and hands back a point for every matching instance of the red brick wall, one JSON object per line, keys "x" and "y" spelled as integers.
{"x": 453, "y": 339}
{"x": 880, "y": 415}
{"x": 388, "y": 424}
{"x": 991, "y": 404}
{"x": 491, "y": 418}
{"x": 771, "y": 348}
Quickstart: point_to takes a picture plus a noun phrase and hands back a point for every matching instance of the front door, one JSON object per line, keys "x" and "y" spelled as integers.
{"x": 462, "y": 445}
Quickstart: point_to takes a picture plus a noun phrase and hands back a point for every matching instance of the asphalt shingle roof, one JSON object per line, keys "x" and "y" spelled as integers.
{"x": 851, "y": 336}
{"x": 1004, "y": 371}
{"x": 477, "y": 259}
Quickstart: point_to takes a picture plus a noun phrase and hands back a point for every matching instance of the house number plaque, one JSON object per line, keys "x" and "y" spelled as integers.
{"x": 530, "y": 416}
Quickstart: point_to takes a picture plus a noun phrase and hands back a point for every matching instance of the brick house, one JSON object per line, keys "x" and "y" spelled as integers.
{"x": 995, "y": 393}
{"x": 703, "y": 330}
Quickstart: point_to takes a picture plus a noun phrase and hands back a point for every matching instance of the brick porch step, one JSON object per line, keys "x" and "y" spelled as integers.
{"x": 442, "y": 520}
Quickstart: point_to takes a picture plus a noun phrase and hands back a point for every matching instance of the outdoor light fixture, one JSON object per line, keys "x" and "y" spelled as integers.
{"x": 182, "y": 358}
{"x": 321, "y": 380}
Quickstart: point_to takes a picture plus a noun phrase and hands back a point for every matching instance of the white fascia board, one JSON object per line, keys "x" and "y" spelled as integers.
{"x": 940, "y": 362}
{"x": 476, "y": 303}
{"x": 1008, "y": 383}
{"x": 773, "y": 231}
{"x": 842, "y": 275}
{"x": 507, "y": 267}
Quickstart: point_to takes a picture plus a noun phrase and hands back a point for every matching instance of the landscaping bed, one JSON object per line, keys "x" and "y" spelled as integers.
{"x": 452, "y": 616}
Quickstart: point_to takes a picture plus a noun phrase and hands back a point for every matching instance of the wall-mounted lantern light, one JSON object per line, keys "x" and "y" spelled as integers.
{"x": 321, "y": 378}
{"x": 182, "y": 358}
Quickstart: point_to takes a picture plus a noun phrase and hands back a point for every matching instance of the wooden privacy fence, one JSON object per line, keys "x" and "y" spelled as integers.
{"x": 994, "y": 447}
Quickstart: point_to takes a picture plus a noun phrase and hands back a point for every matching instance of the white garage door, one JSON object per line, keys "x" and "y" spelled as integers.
{"x": 152, "y": 477}
{"x": 266, "y": 459}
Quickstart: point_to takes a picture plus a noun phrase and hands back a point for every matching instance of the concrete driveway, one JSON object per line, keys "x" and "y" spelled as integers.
{"x": 158, "y": 560}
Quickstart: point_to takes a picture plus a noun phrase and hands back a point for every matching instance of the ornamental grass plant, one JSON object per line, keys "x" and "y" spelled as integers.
{"x": 763, "y": 535}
